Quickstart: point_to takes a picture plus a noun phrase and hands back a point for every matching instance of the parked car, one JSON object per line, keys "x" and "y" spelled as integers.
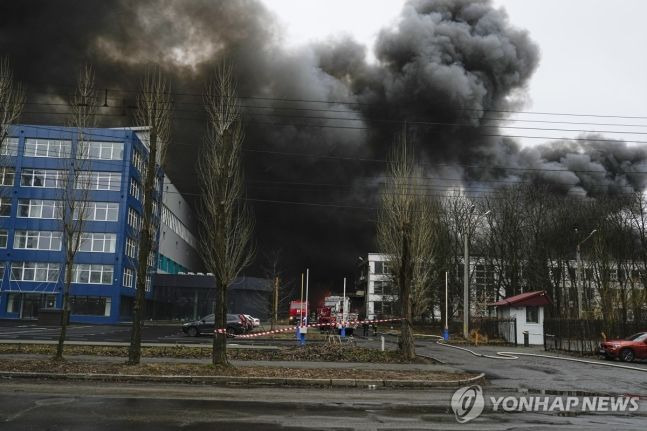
{"x": 206, "y": 325}
{"x": 628, "y": 349}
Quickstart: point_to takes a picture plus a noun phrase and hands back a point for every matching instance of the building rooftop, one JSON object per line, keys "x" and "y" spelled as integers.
{"x": 526, "y": 299}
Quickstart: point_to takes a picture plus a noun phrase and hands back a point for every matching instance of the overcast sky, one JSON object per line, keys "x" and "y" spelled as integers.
{"x": 592, "y": 53}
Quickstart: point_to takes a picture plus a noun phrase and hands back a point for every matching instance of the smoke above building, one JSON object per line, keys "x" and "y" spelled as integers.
{"x": 319, "y": 119}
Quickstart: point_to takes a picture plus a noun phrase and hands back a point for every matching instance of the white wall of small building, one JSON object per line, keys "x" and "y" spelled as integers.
{"x": 535, "y": 330}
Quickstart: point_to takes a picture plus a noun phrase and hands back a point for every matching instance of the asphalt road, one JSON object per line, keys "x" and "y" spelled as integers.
{"x": 85, "y": 406}
{"x": 152, "y": 333}
{"x": 543, "y": 373}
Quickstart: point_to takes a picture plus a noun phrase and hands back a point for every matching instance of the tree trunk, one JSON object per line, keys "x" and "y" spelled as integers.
{"x": 219, "y": 350}
{"x": 407, "y": 346}
{"x": 145, "y": 246}
{"x": 65, "y": 315}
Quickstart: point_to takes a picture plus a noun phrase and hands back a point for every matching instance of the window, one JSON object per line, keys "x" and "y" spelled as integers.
{"x": 129, "y": 277}
{"x": 99, "y": 181}
{"x": 37, "y": 240}
{"x": 383, "y": 288}
{"x": 47, "y": 148}
{"x": 4, "y": 236}
{"x": 46, "y": 178}
{"x": 7, "y": 176}
{"x": 34, "y": 271}
{"x": 5, "y": 207}
{"x": 131, "y": 248}
{"x": 135, "y": 189}
{"x": 91, "y": 305}
{"x": 9, "y": 147}
{"x": 147, "y": 285}
{"x": 92, "y": 274}
{"x": 381, "y": 267}
{"x": 133, "y": 219}
{"x": 384, "y": 308}
{"x": 101, "y": 150}
{"x": 532, "y": 314}
{"x": 99, "y": 211}
{"x": 13, "y": 303}
{"x": 37, "y": 208}
{"x": 138, "y": 161}
{"x": 151, "y": 259}
{"x": 98, "y": 242}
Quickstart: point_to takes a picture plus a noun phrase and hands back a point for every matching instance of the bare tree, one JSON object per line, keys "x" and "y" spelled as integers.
{"x": 75, "y": 183}
{"x": 153, "y": 111}
{"x": 405, "y": 231}
{"x": 226, "y": 221}
{"x": 12, "y": 99}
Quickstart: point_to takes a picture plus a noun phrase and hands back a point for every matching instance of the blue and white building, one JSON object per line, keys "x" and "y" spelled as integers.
{"x": 35, "y": 163}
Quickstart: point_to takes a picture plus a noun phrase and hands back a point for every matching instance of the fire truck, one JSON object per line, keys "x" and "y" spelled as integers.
{"x": 296, "y": 308}
{"x": 330, "y": 315}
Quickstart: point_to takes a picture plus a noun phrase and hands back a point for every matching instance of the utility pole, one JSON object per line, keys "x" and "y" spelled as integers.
{"x": 466, "y": 285}
{"x": 446, "y": 331}
{"x": 275, "y": 303}
{"x": 300, "y": 312}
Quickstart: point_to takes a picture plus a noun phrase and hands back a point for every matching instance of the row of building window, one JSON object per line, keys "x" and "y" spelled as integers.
{"x": 56, "y": 179}
{"x": 80, "y": 305}
{"x": 48, "y": 272}
{"x": 130, "y": 278}
{"x": 52, "y": 209}
{"x": 176, "y": 225}
{"x": 61, "y": 149}
{"x": 169, "y": 266}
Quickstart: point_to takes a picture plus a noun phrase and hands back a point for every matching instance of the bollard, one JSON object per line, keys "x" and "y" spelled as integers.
{"x": 382, "y": 343}
{"x": 446, "y": 334}
{"x": 526, "y": 339}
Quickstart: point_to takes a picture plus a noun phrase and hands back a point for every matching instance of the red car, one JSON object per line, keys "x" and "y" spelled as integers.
{"x": 633, "y": 347}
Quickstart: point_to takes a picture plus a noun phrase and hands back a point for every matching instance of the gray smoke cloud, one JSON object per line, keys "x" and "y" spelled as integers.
{"x": 441, "y": 69}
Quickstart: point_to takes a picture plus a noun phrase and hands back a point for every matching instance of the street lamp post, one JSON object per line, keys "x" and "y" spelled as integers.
{"x": 580, "y": 276}
{"x": 466, "y": 273}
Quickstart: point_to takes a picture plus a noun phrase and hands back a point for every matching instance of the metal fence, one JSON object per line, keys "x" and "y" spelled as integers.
{"x": 583, "y": 335}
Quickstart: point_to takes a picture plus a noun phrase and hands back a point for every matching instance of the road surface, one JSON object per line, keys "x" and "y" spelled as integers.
{"x": 99, "y": 406}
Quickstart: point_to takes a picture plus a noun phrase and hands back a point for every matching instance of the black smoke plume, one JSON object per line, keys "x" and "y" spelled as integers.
{"x": 318, "y": 118}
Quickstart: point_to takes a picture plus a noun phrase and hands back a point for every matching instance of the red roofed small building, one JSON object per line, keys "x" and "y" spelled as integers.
{"x": 528, "y": 310}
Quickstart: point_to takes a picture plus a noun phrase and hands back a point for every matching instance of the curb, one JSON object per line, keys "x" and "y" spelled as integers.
{"x": 247, "y": 381}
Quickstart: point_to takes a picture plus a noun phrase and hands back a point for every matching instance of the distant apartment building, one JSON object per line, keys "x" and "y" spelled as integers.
{"x": 36, "y": 160}
{"x": 380, "y": 294}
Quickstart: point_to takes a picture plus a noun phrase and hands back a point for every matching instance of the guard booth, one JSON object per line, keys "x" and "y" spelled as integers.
{"x": 528, "y": 310}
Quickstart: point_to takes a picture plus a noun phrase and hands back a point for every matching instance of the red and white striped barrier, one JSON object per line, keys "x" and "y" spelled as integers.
{"x": 312, "y": 325}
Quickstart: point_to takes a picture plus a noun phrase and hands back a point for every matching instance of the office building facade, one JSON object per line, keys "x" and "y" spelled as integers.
{"x": 37, "y": 163}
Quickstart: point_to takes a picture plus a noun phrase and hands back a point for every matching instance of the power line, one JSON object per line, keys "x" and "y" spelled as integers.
{"x": 358, "y": 159}
{"x": 355, "y": 103}
{"x": 365, "y": 118}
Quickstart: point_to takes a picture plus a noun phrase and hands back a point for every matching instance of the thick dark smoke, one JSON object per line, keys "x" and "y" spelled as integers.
{"x": 442, "y": 69}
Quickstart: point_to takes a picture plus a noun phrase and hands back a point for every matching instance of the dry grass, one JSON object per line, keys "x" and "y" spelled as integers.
{"x": 157, "y": 369}
{"x": 312, "y": 352}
